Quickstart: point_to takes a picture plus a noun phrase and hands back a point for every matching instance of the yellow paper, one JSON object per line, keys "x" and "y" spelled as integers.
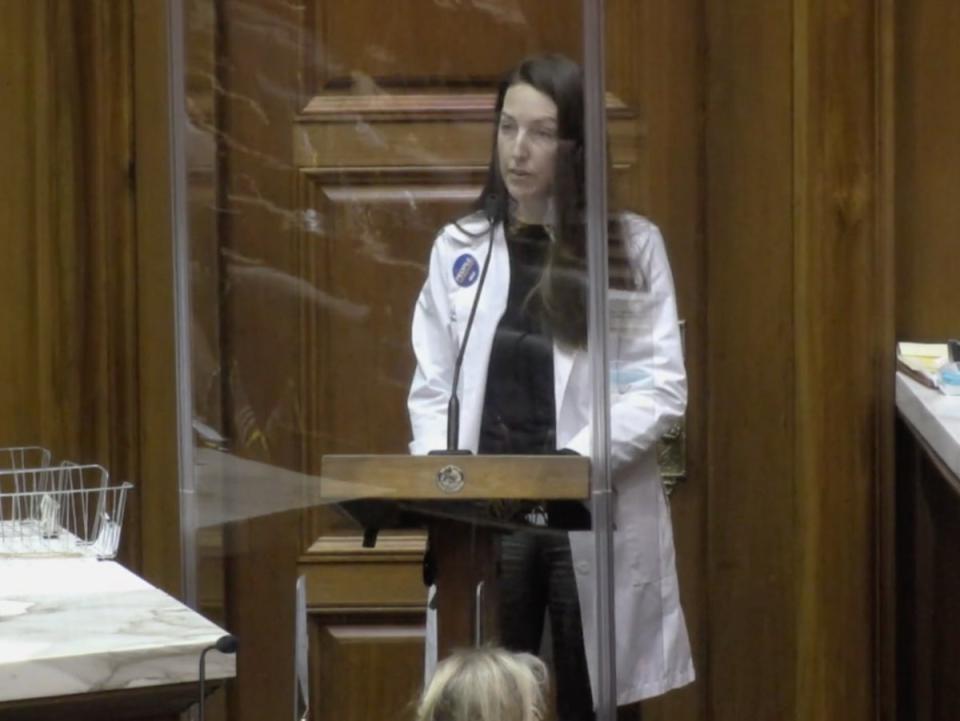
{"x": 926, "y": 356}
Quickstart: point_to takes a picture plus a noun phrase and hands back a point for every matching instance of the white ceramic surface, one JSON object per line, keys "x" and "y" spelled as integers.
{"x": 75, "y": 625}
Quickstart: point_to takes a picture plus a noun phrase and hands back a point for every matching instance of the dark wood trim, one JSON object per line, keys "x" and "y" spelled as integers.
{"x": 927, "y": 585}
{"x": 135, "y": 704}
{"x": 443, "y": 107}
{"x": 950, "y": 478}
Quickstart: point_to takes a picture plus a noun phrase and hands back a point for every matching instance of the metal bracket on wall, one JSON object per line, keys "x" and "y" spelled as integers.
{"x": 672, "y": 456}
{"x": 672, "y": 446}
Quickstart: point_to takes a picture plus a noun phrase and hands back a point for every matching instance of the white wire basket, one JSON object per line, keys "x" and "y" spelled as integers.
{"x": 64, "y": 510}
{"x": 25, "y": 457}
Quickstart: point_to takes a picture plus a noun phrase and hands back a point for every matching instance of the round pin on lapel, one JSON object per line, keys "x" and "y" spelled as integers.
{"x": 466, "y": 270}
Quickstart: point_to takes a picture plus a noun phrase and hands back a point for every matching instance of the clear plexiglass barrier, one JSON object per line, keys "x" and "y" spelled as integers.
{"x": 429, "y": 358}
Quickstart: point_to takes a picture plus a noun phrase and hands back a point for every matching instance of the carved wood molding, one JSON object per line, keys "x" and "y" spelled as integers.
{"x": 344, "y": 577}
{"x": 394, "y": 545}
{"x": 419, "y": 106}
{"x": 411, "y": 140}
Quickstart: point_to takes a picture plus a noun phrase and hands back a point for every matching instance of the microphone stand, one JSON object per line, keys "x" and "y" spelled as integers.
{"x": 225, "y": 644}
{"x": 453, "y": 406}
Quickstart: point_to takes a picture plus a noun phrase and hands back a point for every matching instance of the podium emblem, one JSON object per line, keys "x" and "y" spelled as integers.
{"x": 450, "y": 479}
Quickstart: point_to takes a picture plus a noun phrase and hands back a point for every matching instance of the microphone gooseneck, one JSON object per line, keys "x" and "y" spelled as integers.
{"x": 225, "y": 644}
{"x": 453, "y": 406}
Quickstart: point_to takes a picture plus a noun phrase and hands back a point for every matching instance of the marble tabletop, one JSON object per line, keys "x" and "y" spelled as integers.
{"x": 935, "y": 416}
{"x": 78, "y": 625}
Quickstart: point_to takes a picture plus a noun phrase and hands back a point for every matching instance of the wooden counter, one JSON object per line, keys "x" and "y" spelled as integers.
{"x": 928, "y": 552}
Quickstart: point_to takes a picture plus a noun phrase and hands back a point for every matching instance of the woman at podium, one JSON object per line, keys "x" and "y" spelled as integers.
{"x": 506, "y": 290}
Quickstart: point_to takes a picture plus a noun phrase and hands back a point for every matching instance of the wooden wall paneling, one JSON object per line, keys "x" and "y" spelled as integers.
{"x": 366, "y": 623}
{"x": 73, "y": 355}
{"x": 61, "y": 263}
{"x": 840, "y": 258}
{"x": 655, "y": 65}
{"x": 398, "y": 553}
{"x": 885, "y": 310}
{"x": 77, "y": 327}
{"x": 261, "y": 356}
{"x": 797, "y": 169}
{"x": 80, "y": 376}
{"x": 626, "y": 79}
{"x": 378, "y": 227}
{"x": 82, "y": 233}
{"x": 104, "y": 36}
{"x": 259, "y": 335}
{"x": 260, "y": 573}
{"x": 204, "y": 208}
{"x": 928, "y": 169}
{"x": 19, "y": 93}
{"x": 365, "y": 244}
{"x": 749, "y": 365}
{"x": 422, "y": 43}
{"x": 448, "y": 133}
{"x": 367, "y": 666}
{"x": 315, "y": 334}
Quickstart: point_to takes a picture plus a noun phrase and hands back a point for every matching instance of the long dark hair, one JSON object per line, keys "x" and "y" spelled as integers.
{"x": 560, "y": 296}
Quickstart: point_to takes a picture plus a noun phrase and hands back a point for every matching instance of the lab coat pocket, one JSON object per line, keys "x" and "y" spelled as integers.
{"x": 631, "y": 343}
{"x": 627, "y": 376}
{"x": 640, "y": 558}
{"x": 638, "y": 517}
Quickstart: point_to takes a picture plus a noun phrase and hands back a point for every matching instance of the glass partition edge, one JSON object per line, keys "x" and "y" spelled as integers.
{"x": 595, "y": 137}
{"x": 181, "y": 270}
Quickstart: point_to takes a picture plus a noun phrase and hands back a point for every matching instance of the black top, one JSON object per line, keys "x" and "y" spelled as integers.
{"x": 519, "y": 414}
{"x": 519, "y": 408}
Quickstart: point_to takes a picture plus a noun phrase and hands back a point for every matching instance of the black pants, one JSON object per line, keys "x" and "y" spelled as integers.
{"x": 537, "y": 577}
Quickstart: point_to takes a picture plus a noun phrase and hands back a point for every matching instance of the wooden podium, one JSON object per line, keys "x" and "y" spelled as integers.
{"x": 458, "y": 494}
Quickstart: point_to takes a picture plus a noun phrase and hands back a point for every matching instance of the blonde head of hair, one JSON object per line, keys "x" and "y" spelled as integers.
{"x": 485, "y": 684}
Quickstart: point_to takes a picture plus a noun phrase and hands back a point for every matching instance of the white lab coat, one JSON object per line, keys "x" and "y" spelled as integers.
{"x": 648, "y": 386}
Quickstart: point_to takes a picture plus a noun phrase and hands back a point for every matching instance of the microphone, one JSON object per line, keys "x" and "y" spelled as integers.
{"x": 453, "y": 406}
{"x": 225, "y": 644}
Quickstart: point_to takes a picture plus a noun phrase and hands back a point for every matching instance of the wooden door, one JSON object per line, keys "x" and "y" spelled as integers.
{"x": 346, "y": 135}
